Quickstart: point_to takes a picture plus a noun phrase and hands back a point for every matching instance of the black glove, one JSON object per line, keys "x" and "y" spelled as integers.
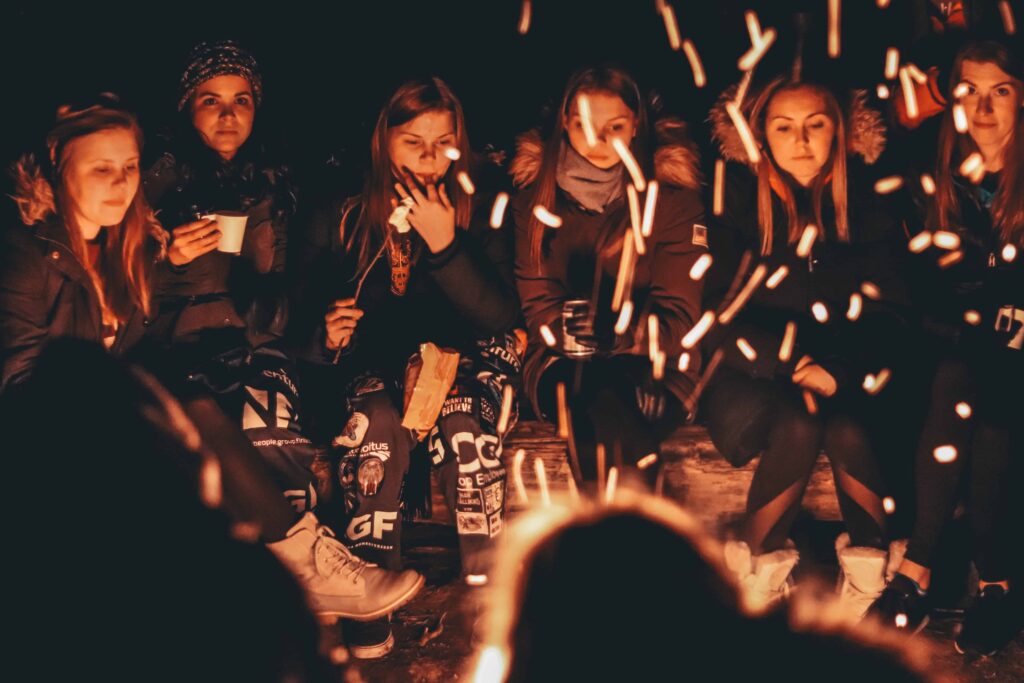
{"x": 650, "y": 397}
{"x": 580, "y": 325}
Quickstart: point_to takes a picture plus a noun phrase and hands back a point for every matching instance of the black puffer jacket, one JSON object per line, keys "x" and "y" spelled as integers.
{"x": 456, "y": 297}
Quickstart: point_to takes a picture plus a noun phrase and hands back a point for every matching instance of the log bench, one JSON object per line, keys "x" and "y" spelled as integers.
{"x": 695, "y": 475}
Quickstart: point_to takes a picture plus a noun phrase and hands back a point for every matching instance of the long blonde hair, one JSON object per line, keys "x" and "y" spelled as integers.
{"x": 770, "y": 178}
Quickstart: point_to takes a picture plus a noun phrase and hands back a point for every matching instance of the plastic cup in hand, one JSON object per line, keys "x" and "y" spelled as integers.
{"x": 572, "y": 309}
{"x": 232, "y": 229}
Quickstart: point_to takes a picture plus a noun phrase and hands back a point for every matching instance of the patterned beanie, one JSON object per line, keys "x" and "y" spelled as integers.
{"x": 208, "y": 60}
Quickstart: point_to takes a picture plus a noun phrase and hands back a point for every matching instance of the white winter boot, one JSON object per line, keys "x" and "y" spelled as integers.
{"x": 864, "y": 573}
{"x": 764, "y": 579}
{"x": 337, "y": 583}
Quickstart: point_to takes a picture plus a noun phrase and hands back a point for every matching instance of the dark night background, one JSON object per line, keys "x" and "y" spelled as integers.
{"x": 327, "y": 70}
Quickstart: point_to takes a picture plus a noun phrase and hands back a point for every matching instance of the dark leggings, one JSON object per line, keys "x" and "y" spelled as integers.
{"x": 747, "y": 416}
{"x": 601, "y": 395}
{"x": 985, "y": 441}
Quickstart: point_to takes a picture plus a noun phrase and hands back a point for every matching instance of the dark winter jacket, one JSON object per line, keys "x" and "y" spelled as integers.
{"x": 219, "y": 290}
{"x": 582, "y": 258}
{"x": 454, "y": 298}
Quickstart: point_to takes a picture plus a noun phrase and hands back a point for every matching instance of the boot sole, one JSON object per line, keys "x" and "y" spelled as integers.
{"x": 329, "y": 617}
{"x": 373, "y": 651}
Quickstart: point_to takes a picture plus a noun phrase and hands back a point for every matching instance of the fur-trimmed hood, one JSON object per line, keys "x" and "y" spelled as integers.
{"x": 865, "y": 129}
{"x": 676, "y": 160}
{"x": 34, "y": 198}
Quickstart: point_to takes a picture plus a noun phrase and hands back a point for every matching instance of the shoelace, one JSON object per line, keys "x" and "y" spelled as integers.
{"x": 331, "y": 555}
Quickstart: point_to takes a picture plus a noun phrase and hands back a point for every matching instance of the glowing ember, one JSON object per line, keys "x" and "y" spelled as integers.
{"x": 650, "y": 201}
{"x": 453, "y": 153}
{"x": 624, "y": 278}
{"x": 757, "y": 50}
{"x": 700, "y": 79}
{"x": 635, "y": 220}
{"x": 882, "y": 4}
{"x": 700, "y": 266}
{"x": 927, "y": 184}
{"x": 498, "y": 210}
{"x": 613, "y": 480}
{"x": 820, "y": 311}
{"x": 563, "y": 411}
{"x": 834, "y": 12}
{"x": 627, "y": 158}
{"x": 684, "y": 361}
{"x": 753, "y": 26}
{"x": 506, "y": 409}
{"x": 951, "y": 258}
{"x": 875, "y": 383}
{"x": 944, "y": 239}
{"x": 542, "y": 480}
{"x": 546, "y": 217}
{"x": 1009, "y": 253}
{"x": 972, "y": 317}
{"x": 971, "y": 164}
{"x": 810, "y": 403}
{"x": 699, "y": 330}
{"x": 476, "y": 579}
{"x": 1006, "y": 12}
{"x": 741, "y": 299}
{"x": 211, "y": 491}
{"x": 788, "y": 339}
{"x": 944, "y": 454}
{"x": 524, "y": 18}
{"x": 889, "y": 505}
{"x": 671, "y": 26}
{"x": 652, "y": 337}
{"x": 547, "y": 335}
{"x": 909, "y": 95}
{"x": 646, "y": 461}
{"x": 870, "y": 290}
{"x": 465, "y": 182}
{"x": 892, "y": 63}
{"x": 493, "y": 663}
{"x": 586, "y": 120}
{"x": 961, "y": 90}
{"x": 960, "y": 118}
{"x": 625, "y": 315}
{"x": 517, "y": 475}
{"x": 901, "y": 620}
{"x": 920, "y": 242}
{"x": 856, "y": 306}
{"x": 890, "y": 184}
{"x": 658, "y": 366}
{"x": 803, "y": 247}
{"x": 882, "y": 91}
{"x": 746, "y": 349}
{"x": 749, "y": 144}
{"x": 777, "y": 277}
{"x": 963, "y": 409}
{"x": 916, "y": 73}
{"x": 719, "y": 196}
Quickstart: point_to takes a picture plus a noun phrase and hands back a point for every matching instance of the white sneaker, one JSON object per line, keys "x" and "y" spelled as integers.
{"x": 764, "y": 579}
{"x": 861, "y": 577}
{"x": 337, "y": 583}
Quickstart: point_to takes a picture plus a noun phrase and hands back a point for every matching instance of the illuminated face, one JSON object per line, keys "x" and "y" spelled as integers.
{"x": 799, "y": 133}
{"x": 101, "y": 177}
{"x": 992, "y": 103}
{"x": 222, "y": 113}
{"x": 611, "y": 118}
{"x": 419, "y": 145}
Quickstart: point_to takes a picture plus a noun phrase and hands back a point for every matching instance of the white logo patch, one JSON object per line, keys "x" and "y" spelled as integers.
{"x": 700, "y": 235}
{"x": 354, "y": 432}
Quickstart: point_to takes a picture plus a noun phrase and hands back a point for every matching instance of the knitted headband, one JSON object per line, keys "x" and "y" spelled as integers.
{"x": 225, "y": 57}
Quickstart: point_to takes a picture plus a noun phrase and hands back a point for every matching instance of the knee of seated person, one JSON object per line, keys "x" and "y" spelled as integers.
{"x": 844, "y": 436}
{"x": 797, "y": 424}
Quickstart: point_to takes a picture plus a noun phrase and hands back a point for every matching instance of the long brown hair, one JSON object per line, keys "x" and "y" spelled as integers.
{"x": 373, "y": 207}
{"x": 609, "y": 79}
{"x": 123, "y": 276}
{"x": 771, "y": 178}
{"x": 1008, "y": 204}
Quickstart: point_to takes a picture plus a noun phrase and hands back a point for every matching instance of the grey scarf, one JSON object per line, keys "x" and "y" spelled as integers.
{"x": 592, "y": 187}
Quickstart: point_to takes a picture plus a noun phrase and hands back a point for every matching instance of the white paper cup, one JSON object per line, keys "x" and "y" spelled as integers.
{"x": 232, "y": 230}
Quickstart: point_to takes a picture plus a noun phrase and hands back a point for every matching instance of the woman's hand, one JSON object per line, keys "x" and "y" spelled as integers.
{"x": 812, "y": 376}
{"x": 340, "y": 323}
{"x": 431, "y": 214}
{"x": 192, "y": 240}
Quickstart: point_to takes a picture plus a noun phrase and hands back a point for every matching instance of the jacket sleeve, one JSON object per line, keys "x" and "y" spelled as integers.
{"x": 475, "y": 273}
{"x": 23, "y": 310}
{"x": 540, "y": 292}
